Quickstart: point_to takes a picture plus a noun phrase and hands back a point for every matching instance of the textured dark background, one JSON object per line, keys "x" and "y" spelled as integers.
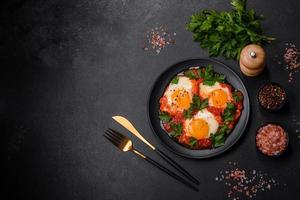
{"x": 68, "y": 66}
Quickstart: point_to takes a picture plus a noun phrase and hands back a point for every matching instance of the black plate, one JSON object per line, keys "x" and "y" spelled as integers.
{"x": 158, "y": 90}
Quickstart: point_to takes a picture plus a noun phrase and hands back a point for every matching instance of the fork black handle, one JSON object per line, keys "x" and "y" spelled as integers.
{"x": 170, "y": 173}
{"x": 176, "y": 166}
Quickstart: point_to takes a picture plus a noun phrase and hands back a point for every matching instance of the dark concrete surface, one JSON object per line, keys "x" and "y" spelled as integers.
{"x": 68, "y": 66}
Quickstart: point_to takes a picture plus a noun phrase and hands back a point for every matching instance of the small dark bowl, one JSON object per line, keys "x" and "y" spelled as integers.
{"x": 287, "y": 140}
{"x": 280, "y": 106}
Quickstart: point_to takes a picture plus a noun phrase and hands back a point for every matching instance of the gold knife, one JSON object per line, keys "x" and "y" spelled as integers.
{"x": 125, "y": 123}
{"x": 129, "y": 126}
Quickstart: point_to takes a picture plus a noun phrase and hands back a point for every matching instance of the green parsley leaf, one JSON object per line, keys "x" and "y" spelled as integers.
{"x": 196, "y": 104}
{"x": 209, "y": 72}
{"x": 238, "y": 5}
{"x": 237, "y": 96}
{"x": 224, "y": 129}
{"x": 164, "y": 116}
{"x": 218, "y": 139}
{"x": 176, "y": 129}
{"x": 210, "y": 77}
{"x": 193, "y": 142}
{"x": 190, "y": 74}
{"x": 209, "y": 82}
{"x": 230, "y": 106}
{"x": 200, "y": 73}
{"x": 188, "y": 113}
{"x": 228, "y": 114}
{"x": 175, "y": 80}
{"x": 203, "y": 104}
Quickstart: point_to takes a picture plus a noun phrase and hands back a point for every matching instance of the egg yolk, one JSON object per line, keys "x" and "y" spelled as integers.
{"x": 181, "y": 99}
{"x": 198, "y": 128}
{"x": 219, "y": 98}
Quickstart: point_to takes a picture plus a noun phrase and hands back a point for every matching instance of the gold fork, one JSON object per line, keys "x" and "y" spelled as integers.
{"x": 125, "y": 145}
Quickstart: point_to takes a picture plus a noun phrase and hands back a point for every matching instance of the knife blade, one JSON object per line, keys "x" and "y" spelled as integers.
{"x": 128, "y": 125}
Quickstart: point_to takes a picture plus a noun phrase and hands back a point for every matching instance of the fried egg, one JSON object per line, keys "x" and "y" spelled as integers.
{"x": 217, "y": 95}
{"x": 178, "y": 97}
{"x": 201, "y": 125}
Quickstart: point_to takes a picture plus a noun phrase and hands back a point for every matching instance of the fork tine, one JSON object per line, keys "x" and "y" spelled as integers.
{"x": 113, "y": 136}
{"x": 116, "y": 133}
{"x": 111, "y": 140}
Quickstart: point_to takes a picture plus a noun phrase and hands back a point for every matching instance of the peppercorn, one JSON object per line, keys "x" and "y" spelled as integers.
{"x": 271, "y": 96}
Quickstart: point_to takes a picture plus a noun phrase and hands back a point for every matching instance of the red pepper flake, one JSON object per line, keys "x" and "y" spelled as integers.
{"x": 245, "y": 184}
{"x": 158, "y": 38}
{"x": 291, "y": 60}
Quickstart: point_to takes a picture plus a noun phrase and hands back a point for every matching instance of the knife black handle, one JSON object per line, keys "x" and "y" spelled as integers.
{"x": 170, "y": 173}
{"x": 176, "y": 166}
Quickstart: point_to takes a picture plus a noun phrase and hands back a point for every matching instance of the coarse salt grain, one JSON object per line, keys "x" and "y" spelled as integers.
{"x": 158, "y": 38}
{"x": 271, "y": 139}
{"x": 245, "y": 184}
{"x": 291, "y": 60}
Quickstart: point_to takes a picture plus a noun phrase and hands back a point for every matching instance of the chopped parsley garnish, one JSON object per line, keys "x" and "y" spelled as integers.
{"x": 193, "y": 142}
{"x": 229, "y": 112}
{"x": 200, "y": 72}
{"x": 188, "y": 113}
{"x": 237, "y": 96}
{"x": 164, "y": 116}
{"x": 224, "y": 129}
{"x": 219, "y": 138}
{"x": 196, "y": 104}
{"x": 176, "y": 129}
{"x": 190, "y": 74}
{"x": 175, "y": 80}
{"x": 210, "y": 77}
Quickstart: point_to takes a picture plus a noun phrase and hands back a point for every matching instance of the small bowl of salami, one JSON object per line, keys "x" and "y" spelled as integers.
{"x": 271, "y": 139}
{"x": 271, "y": 96}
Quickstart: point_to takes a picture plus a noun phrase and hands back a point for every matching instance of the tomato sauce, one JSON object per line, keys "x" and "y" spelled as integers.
{"x": 225, "y": 85}
{"x": 215, "y": 110}
{"x": 164, "y": 104}
{"x": 184, "y": 139}
{"x": 205, "y": 143}
{"x": 178, "y": 118}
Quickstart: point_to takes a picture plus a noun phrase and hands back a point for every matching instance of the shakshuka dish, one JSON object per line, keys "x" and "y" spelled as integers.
{"x": 199, "y": 108}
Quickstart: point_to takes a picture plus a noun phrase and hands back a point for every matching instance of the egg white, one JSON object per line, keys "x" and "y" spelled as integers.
{"x": 204, "y": 114}
{"x": 184, "y": 84}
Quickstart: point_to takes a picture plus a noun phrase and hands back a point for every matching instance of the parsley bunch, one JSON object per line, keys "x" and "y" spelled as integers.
{"x": 227, "y": 33}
